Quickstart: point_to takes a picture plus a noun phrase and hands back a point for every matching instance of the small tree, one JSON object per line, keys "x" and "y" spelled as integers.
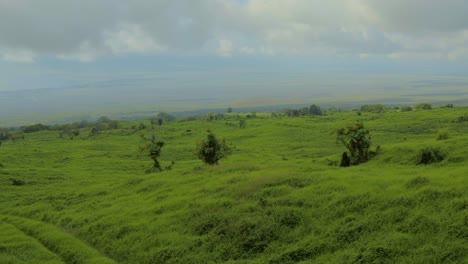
{"x": 315, "y": 110}
{"x": 229, "y": 110}
{"x": 406, "y": 109}
{"x": 211, "y": 150}
{"x": 94, "y": 131}
{"x": 114, "y": 124}
{"x": 103, "y": 119}
{"x": 357, "y": 140}
{"x": 153, "y": 148}
{"x": 242, "y": 123}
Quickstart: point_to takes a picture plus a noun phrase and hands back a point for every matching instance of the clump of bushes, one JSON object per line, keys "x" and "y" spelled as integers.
{"x": 406, "y": 109}
{"x": 442, "y": 135}
{"x": 423, "y": 106}
{"x": 373, "y": 108}
{"x": 462, "y": 119}
{"x": 428, "y": 155}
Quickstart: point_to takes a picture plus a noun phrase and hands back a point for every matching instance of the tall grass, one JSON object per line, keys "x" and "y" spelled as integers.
{"x": 274, "y": 200}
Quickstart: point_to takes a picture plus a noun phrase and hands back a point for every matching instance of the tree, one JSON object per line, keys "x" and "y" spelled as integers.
{"x": 166, "y": 117}
{"x": 357, "y": 140}
{"x": 229, "y": 110}
{"x": 114, "y": 124}
{"x": 374, "y": 108}
{"x": 315, "y": 110}
{"x": 212, "y": 150}
{"x": 74, "y": 133}
{"x": 35, "y": 128}
{"x": 242, "y": 123}
{"x": 104, "y": 119}
{"x": 406, "y": 109}
{"x": 153, "y": 148}
{"x": 423, "y": 106}
{"x": 94, "y": 131}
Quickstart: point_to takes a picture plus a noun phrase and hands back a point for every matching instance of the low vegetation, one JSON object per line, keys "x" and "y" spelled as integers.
{"x": 280, "y": 197}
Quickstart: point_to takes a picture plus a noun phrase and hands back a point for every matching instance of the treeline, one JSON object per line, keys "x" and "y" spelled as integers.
{"x": 304, "y": 111}
{"x": 74, "y": 129}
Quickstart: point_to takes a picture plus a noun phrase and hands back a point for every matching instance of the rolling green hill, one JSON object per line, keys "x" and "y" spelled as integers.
{"x": 277, "y": 199}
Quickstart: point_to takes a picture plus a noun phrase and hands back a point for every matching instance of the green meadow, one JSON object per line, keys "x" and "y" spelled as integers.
{"x": 279, "y": 198}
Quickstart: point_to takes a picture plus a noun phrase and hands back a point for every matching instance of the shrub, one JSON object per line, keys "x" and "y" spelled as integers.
{"x": 153, "y": 148}
{"x": 423, "y": 106}
{"x": 114, "y": 124}
{"x": 462, "y": 119}
{"x": 374, "y": 108}
{"x": 242, "y": 123}
{"x": 357, "y": 140}
{"x": 406, "y": 109}
{"x": 442, "y": 135}
{"x": 17, "y": 182}
{"x": 35, "y": 128}
{"x": 211, "y": 150}
{"x": 429, "y": 155}
{"x": 315, "y": 110}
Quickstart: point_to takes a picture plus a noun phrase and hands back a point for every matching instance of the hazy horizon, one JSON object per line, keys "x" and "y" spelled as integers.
{"x": 109, "y": 56}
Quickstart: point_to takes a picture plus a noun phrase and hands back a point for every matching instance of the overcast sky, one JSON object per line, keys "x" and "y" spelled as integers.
{"x": 60, "y": 43}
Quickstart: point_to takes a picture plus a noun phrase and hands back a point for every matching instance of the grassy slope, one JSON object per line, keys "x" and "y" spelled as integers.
{"x": 275, "y": 200}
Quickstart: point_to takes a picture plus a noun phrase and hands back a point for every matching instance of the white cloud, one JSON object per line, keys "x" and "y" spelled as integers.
{"x": 19, "y": 56}
{"x": 84, "y": 30}
{"x": 85, "y": 53}
{"x": 225, "y": 48}
{"x": 130, "y": 38}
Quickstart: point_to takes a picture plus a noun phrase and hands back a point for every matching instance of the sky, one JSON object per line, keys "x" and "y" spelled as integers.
{"x": 187, "y": 45}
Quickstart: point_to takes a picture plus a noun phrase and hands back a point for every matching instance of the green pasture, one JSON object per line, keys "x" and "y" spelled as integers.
{"x": 279, "y": 198}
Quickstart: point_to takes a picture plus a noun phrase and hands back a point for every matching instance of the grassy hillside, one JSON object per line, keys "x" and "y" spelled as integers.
{"x": 275, "y": 200}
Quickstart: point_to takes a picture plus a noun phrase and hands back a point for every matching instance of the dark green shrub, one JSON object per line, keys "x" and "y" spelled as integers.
{"x": 423, "y": 106}
{"x": 357, "y": 140}
{"x": 418, "y": 181}
{"x": 114, "y": 124}
{"x": 429, "y": 155}
{"x": 242, "y": 123}
{"x": 442, "y": 135}
{"x": 35, "y": 128}
{"x": 315, "y": 110}
{"x": 406, "y": 109}
{"x": 212, "y": 150}
{"x": 374, "y": 108}
{"x": 17, "y": 182}
{"x": 462, "y": 119}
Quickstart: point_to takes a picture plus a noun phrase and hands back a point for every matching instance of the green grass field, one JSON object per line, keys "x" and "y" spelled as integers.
{"x": 276, "y": 199}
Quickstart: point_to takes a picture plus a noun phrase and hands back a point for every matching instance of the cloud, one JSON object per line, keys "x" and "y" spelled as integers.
{"x": 84, "y": 30}
{"x": 20, "y": 56}
{"x": 130, "y": 38}
{"x": 225, "y": 48}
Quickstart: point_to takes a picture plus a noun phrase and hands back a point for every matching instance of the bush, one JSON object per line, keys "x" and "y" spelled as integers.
{"x": 462, "y": 119}
{"x": 406, "y": 109}
{"x": 357, "y": 140}
{"x": 442, "y": 135}
{"x": 153, "y": 148}
{"x": 211, "y": 150}
{"x": 429, "y": 155}
{"x": 17, "y": 182}
{"x": 35, "y": 128}
{"x": 374, "y": 108}
{"x": 423, "y": 106}
{"x": 242, "y": 123}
